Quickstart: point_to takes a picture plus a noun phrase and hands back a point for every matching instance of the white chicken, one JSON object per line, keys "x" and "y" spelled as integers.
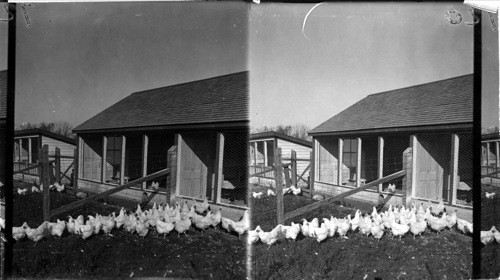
{"x": 216, "y": 219}
{"x": 86, "y": 230}
{"x": 180, "y": 225}
{"x": 38, "y": 233}
{"x": 355, "y": 221}
{"x": 57, "y": 228}
{"x": 438, "y": 209}
{"x": 391, "y": 188}
{"x": 22, "y": 191}
{"x": 464, "y": 226}
{"x": 60, "y": 188}
{"x": 34, "y": 189}
{"x": 496, "y": 234}
{"x": 490, "y": 195}
{"x": 257, "y": 194}
{"x": 271, "y": 192}
{"x": 270, "y": 237}
{"x": 241, "y": 226}
{"x": 164, "y": 227}
{"x": 226, "y": 223}
{"x": 203, "y": 207}
{"x": 451, "y": 219}
{"x": 291, "y": 231}
{"x": 418, "y": 227}
{"x": 343, "y": 227}
{"x": 19, "y": 233}
{"x": 377, "y": 230}
{"x": 321, "y": 233}
{"x": 253, "y": 235}
{"x": 438, "y": 224}
{"x": 487, "y": 236}
{"x": 398, "y": 229}
{"x": 120, "y": 219}
{"x": 296, "y": 190}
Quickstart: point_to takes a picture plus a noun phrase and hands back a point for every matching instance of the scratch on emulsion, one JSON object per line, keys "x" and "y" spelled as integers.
{"x": 305, "y": 20}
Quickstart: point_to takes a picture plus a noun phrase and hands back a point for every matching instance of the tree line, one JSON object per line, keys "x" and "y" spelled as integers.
{"x": 63, "y": 128}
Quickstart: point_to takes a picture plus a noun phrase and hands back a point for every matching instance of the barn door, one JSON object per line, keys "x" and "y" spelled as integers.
{"x": 193, "y": 173}
{"x": 430, "y": 171}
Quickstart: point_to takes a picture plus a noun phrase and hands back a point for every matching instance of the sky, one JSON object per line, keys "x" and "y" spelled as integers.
{"x": 75, "y": 60}
{"x": 349, "y": 50}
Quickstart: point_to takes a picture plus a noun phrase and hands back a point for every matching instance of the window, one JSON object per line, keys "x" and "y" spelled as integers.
{"x": 113, "y": 159}
{"x": 350, "y": 159}
{"x": 270, "y": 152}
{"x": 34, "y": 149}
{"x": 25, "y": 150}
{"x": 92, "y": 157}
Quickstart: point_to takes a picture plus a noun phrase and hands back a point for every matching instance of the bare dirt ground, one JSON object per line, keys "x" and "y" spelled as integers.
{"x": 214, "y": 254}
{"x": 490, "y": 216}
{"x": 447, "y": 255}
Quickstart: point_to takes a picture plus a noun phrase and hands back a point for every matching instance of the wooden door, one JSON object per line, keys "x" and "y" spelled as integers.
{"x": 193, "y": 173}
{"x": 429, "y": 175}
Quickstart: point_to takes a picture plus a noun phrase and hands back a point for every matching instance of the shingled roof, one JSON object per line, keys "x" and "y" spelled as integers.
{"x": 442, "y": 102}
{"x": 3, "y": 94}
{"x": 217, "y": 100}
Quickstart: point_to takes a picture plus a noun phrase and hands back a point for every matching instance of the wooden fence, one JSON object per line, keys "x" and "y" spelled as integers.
{"x": 54, "y": 166}
{"x": 281, "y": 216}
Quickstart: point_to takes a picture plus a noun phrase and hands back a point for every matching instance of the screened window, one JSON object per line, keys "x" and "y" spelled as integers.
{"x": 113, "y": 159}
{"x": 34, "y": 149}
{"x": 350, "y": 157}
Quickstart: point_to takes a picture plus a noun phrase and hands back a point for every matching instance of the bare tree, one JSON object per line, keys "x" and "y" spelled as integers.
{"x": 491, "y": 129}
{"x": 63, "y": 128}
{"x": 296, "y": 130}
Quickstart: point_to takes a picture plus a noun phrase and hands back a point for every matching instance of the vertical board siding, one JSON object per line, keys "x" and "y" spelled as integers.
{"x": 303, "y": 152}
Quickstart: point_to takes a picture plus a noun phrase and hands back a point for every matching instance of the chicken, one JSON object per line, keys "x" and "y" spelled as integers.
{"x": 377, "y": 230}
{"x": 287, "y": 190}
{"x": 496, "y": 234}
{"x": 343, "y": 227}
{"x": 304, "y": 229}
{"x": 333, "y": 226}
{"x": 164, "y": 227}
{"x": 241, "y": 226}
{"x": 398, "y": 229}
{"x": 203, "y": 207}
{"x": 451, "y": 219}
{"x": 22, "y": 191}
{"x": 38, "y": 233}
{"x": 314, "y": 223}
{"x": 226, "y": 224}
{"x": 270, "y": 237}
{"x": 141, "y": 228}
{"x": 2, "y": 223}
{"x": 120, "y": 219}
{"x": 182, "y": 226}
{"x": 34, "y": 189}
{"x": 60, "y": 188}
{"x": 257, "y": 195}
{"x": 96, "y": 223}
{"x": 490, "y": 195}
{"x": 437, "y": 224}
{"x": 191, "y": 213}
{"x": 418, "y": 227}
{"x": 271, "y": 192}
{"x": 86, "y": 230}
{"x": 253, "y": 235}
{"x": 296, "y": 190}
{"x": 487, "y": 236}
{"x": 108, "y": 223}
{"x": 203, "y": 222}
{"x": 57, "y": 228}
{"x": 19, "y": 233}
{"x": 216, "y": 218}
{"x": 355, "y": 221}
{"x": 129, "y": 223}
{"x": 321, "y": 233}
{"x": 365, "y": 225}
{"x": 438, "y": 209}
{"x": 138, "y": 212}
{"x": 70, "y": 225}
{"x": 391, "y": 188}
{"x": 291, "y": 231}
{"x": 464, "y": 226}
{"x": 153, "y": 186}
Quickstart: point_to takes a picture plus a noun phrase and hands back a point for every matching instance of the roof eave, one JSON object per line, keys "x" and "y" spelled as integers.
{"x": 409, "y": 129}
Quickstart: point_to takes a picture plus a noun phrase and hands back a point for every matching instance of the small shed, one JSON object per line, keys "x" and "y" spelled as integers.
{"x": 430, "y": 122}
{"x": 28, "y": 144}
{"x": 205, "y": 123}
{"x": 262, "y": 146}
{"x": 490, "y": 158}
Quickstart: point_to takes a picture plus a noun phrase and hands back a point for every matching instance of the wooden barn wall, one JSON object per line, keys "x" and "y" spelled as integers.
{"x": 303, "y": 152}
{"x": 66, "y": 150}
{"x": 91, "y": 164}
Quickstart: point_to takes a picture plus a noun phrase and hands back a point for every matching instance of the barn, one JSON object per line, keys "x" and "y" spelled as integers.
{"x": 27, "y": 147}
{"x": 429, "y": 123}
{"x": 262, "y": 146}
{"x": 204, "y": 123}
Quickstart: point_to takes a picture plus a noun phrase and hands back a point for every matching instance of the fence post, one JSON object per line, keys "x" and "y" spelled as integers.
{"x": 46, "y": 182}
{"x": 279, "y": 186}
{"x": 172, "y": 164}
{"x": 311, "y": 173}
{"x": 294, "y": 168}
{"x": 75, "y": 171}
{"x": 286, "y": 171}
{"x": 58, "y": 165}
{"x": 407, "y": 179}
